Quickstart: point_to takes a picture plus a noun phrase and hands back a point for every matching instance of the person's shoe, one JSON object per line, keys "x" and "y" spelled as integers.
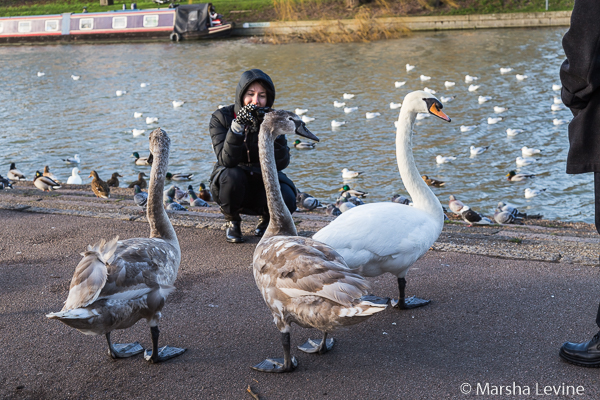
{"x": 584, "y": 354}
{"x": 233, "y": 233}
{"x": 263, "y": 223}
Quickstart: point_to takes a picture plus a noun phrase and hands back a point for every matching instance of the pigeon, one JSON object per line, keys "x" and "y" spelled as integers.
{"x": 5, "y": 183}
{"x": 346, "y": 196}
{"x": 473, "y": 217}
{"x": 172, "y": 205}
{"x": 140, "y": 198}
{"x": 344, "y": 205}
{"x": 195, "y": 201}
{"x": 333, "y": 210}
{"x": 306, "y": 201}
{"x": 400, "y": 199}
{"x": 504, "y": 217}
{"x": 455, "y": 205}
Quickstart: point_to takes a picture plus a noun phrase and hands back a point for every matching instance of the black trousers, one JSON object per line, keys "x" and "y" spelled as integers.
{"x": 597, "y": 220}
{"x": 243, "y": 192}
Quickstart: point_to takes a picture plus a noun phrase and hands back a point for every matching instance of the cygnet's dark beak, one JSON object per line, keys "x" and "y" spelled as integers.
{"x": 303, "y": 131}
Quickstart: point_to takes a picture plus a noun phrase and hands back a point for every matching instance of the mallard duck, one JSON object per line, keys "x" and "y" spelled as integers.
{"x": 179, "y": 177}
{"x": 45, "y": 183}
{"x": 387, "y": 237}
{"x": 141, "y": 182}
{"x": 301, "y": 280}
{"x": 99, "y": 187}
{"x": 204, "y": 193}
{"x": 433, "y": 182}
{"x": 14, "y": 174}
{"x": 114, "y": 180}
{"x": 75, "y": 179}
{"x": 140, "y": 198}
{"x": 50, "y": 174}
{"x": 117, "y": 283}
{"x": 347, "y": 174}
{"x": 353, "y": 192}
{"x": 304, "y": 145}
{"x": 5, "y": 182}
{"x": 306, "y": 201}
{"x": 473, "y": 217}
{"x": 195, "y": 201}
{"x": 141, "y": 160}
{"x": 514, "y": 177}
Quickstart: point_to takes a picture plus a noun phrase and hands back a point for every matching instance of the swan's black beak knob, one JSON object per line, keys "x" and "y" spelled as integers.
{"x": 303, "y": 131}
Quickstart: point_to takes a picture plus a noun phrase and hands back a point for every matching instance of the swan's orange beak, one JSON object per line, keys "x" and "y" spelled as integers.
{"x": 438, "y": 113}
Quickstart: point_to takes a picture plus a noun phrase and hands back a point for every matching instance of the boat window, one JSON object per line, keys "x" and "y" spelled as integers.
{"x": 86, "y": 24}
{"x": 24, "y": 26}
{"x": 193, "y": 15}
{"x": 52, "y": 25}
{"x": 1, "y": 27}
{"x": 119, "y": 22}
{"x": 150, "y": 21}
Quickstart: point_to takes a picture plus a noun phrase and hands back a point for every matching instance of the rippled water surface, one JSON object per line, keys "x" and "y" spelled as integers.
{"x": 48, "y": 118}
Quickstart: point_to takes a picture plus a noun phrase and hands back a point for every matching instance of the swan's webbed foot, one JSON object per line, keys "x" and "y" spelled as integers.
{"x": 123, "y": 350}
{"x": 317, "y": 346}
{"x": 285, "y": 364}
{"x": 163, "y": 354}
{"x": 276, "y": 365}
{"x": 407, "y": 304}
{"x": 410, "y": 303}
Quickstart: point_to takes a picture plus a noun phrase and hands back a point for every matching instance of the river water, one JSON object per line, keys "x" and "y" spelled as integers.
{"x": 51, "y": 117}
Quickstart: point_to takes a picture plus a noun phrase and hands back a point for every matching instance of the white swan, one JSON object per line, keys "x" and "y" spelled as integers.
{"x": 75, "y": 179}
{"x": 117, "y": 283}
{"x": 301, "y": 280}
{"x": 393, "y": 236}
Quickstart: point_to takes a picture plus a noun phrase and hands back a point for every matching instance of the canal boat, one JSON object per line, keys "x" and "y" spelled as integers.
{"x": 190, "y": 21}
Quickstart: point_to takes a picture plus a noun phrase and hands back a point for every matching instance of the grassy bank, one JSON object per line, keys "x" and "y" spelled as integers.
{"x": 275, "y": 10}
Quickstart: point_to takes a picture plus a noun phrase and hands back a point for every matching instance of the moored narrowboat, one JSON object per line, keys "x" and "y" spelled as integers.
{"x": 192, "y": 21}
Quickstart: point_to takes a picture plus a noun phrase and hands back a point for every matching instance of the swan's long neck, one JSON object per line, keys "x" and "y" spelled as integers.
{"x": 281, "y": 219}
{"x": 160, "y": 226}
{"x": 422, "y": 197}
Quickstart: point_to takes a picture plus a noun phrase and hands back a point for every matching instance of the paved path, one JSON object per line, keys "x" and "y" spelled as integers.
{"x": 492, "y": 321}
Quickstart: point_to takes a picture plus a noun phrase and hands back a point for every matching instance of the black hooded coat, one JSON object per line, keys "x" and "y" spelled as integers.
{"x": 234, "y": 150}
{"x": 580, "y": 78}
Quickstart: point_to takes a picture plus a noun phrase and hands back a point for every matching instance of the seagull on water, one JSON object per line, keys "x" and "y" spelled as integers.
{"x": 473, "y": 88}
{"x": 347, "y": 174}
{"x": 348, "y": 96}
{"x": 300, "y": 111}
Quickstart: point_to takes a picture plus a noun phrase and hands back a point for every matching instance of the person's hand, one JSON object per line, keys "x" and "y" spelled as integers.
{"x": 245, "y": 116}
